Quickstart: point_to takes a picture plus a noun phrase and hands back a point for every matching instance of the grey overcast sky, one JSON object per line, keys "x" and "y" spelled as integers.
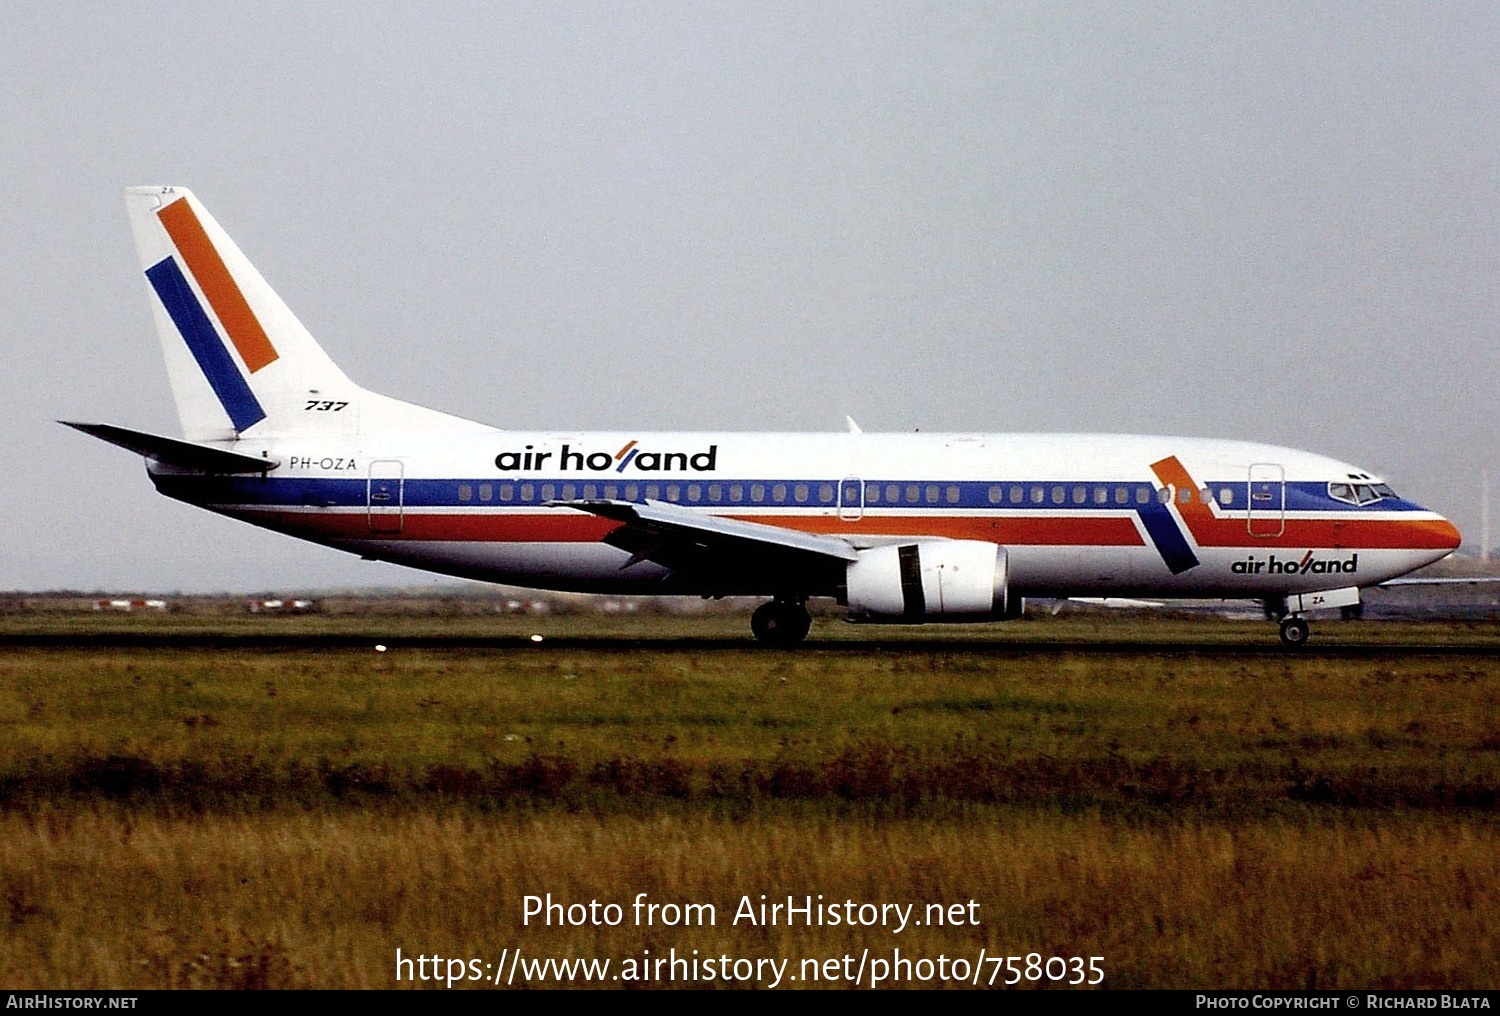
{"x": 1270, "y": 221}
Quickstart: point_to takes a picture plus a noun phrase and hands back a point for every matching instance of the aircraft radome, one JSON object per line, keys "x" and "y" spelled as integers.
{"x": 897, "y": 528}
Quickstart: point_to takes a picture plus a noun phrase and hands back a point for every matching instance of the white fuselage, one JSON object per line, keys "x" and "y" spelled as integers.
{"x": 1080, "y": 514}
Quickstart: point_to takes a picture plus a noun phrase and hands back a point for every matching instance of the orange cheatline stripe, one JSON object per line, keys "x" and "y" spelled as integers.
{"x": 526, "y": 527}
{"x": 218, "y": 285}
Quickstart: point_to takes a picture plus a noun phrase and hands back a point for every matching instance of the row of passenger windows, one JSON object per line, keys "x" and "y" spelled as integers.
{"x": 1119, "y": 495}
{"x": 709, "y": 493}
{"x": 1104, "y": 494}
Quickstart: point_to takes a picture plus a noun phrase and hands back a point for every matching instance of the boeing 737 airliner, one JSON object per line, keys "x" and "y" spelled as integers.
{"x": 897, "y": 528}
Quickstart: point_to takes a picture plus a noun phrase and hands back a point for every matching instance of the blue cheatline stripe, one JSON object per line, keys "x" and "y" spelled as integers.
{"x": 506, "y": 493}
{"x": 715, "y": 492}
{"x": 206, "y": 346}
{"x": 1166, "y": 536}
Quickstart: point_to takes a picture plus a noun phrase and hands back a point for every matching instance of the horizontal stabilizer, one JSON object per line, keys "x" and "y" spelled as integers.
{"x": 172, "y": 452}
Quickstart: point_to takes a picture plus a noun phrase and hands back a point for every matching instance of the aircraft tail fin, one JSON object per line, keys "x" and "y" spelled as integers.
{"x": 240, "y": 363}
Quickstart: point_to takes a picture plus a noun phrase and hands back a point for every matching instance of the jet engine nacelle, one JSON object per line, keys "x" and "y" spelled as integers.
{"x": 934, "y": 580}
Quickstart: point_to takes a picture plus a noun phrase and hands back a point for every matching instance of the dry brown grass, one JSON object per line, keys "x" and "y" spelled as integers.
{"x": 111, "y": 898}
{"x": 173, "y": 818}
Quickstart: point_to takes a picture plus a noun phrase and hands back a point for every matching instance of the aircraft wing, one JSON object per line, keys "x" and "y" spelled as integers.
{"x": 687, "y": 541}
{"x": 1476, "y": 580}
{"x": 172, "y": 452}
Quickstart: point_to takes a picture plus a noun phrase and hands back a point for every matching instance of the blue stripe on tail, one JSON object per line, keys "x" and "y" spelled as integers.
{"x": 207, "y": 348}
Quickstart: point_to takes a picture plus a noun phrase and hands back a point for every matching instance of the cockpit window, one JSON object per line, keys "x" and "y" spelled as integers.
{"x": 1360, "y": 493}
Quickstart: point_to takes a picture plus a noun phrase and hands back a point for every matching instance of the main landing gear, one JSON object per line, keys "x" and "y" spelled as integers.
{"x": 1295, "y": 631}
{"x": 781, "y": 622}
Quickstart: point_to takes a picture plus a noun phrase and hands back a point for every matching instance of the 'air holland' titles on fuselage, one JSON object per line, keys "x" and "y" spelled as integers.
{"x": 629, "y": 457}
{"x": 1308, "y": 564}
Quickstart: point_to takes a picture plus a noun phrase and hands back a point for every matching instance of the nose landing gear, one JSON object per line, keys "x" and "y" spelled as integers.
{"x": 1295, "y": 631}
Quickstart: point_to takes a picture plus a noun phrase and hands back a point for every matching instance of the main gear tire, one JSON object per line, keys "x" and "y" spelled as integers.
{"x": 780, "y": 623}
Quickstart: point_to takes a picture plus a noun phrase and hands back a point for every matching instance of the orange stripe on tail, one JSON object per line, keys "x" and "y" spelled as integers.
{"x": 218, "y": 285}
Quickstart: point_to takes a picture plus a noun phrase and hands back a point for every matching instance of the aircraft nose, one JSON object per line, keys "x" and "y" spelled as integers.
{"x": 1446, "y": 535}
{"x": 1433, "y": 533}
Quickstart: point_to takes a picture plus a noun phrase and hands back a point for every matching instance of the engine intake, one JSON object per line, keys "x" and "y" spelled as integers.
{"x": 933, "y": 580}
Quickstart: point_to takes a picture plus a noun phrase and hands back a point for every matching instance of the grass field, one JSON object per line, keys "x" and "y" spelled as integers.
{"x": 239, "y": 816}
